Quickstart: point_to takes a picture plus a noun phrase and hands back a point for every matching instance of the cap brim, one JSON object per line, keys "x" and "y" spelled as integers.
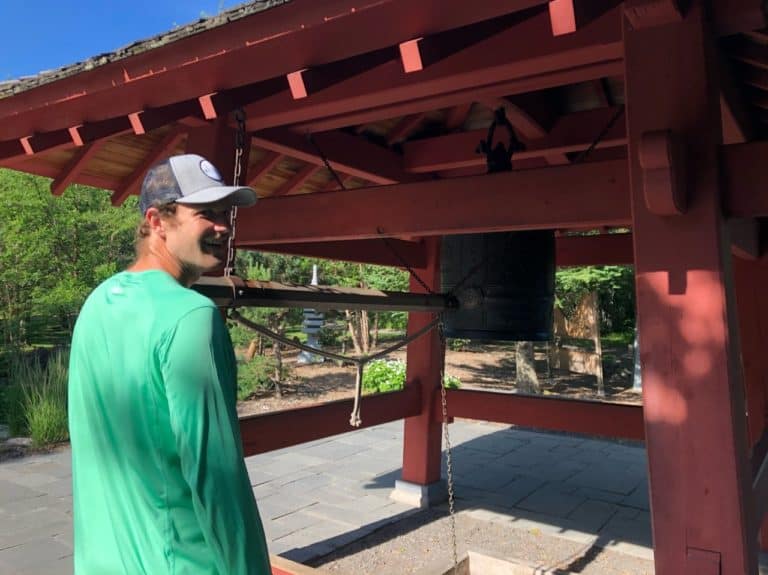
{"x": 239, "y": 196}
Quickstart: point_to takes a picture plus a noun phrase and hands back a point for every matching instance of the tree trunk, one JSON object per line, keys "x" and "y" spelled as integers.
{"x": 526, "y": 379}
{"x": 375, "y": 341}
{"x": 278, "y": 368}
{"x": 251, "y": 351}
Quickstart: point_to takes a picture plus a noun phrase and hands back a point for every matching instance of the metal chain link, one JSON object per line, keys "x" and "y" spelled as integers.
{"x": 447, "y": 440}
{"x": 229, "y": 267}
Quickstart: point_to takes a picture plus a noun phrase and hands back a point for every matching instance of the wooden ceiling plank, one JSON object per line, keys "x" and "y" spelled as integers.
{"x": 263, "y": 167}
{"x": 404, "y": 128}
{"x": 456, "y": 116}
{"x": 346, "y": 153}
{"x": 76, "y": 165}
{"x": 571, "y": 133}
{"x": 298, "y": 180}
{"x": 162, "y": 149}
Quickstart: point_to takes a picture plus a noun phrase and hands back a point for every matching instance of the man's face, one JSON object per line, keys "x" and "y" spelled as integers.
{"x": 197, "y": 236}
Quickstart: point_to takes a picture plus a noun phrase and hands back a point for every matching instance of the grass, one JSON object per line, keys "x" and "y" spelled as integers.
{"x": 37, "y": 402}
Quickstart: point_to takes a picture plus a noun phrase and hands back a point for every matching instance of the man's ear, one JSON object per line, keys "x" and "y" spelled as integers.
{"x": 156, "y": 222}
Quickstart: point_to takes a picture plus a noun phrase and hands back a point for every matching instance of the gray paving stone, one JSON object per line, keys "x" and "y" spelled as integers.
{"x": 290, "y": 523}
{"x": 617, "y": 479}
{"x": 551, "y": 500}
{"x": 11, "y": 491}
{"x": 639, "y": 497}
{"x": 34, "y": 553}
{"x": 592, "y": 515}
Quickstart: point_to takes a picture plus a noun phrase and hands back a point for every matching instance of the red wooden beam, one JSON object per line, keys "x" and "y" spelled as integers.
{"x": 294, "y": 183}
{"x": 262, "y": 433}
{"x": 745, "y": 178}
{"x": 263, "y": 167}
{"x": 574, "y": 416}
{"x": 521, "y": 59}
{"x": 456, "y": 116}
{"x": 578, "y": 195}
{"x": 166, "y": 146}
{"x": 359, "y": 251}
{"x": 290, "y": 37}
{"x": 75, "y": 166}
{"x": 404, "y": 128}
{"x": 604, "y": 249}
{"x": 349, "y": 154}
{"x": 571, "y": 133}
{"x": 562, "y": 14}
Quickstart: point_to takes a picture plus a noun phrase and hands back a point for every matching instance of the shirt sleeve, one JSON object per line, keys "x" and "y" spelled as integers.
{"x": 199, "y": 370}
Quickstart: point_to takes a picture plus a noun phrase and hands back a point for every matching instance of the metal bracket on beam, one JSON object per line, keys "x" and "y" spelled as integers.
{"x": 662, "y": 162}
{"x": 229, "y": 291}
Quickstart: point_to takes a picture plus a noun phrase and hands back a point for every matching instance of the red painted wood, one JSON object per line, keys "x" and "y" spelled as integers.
{"x": 349, "y": 154}
{"x": 132, "y": 183}
{"x": 263, "y": 167}
{"x": 296, "y": 35}
{"x": 744, "y": 176}
{"x": 360, "y": 251}
{"x": 207, "y": 106}
{"x": 579, "y": 195}
{"x": 693, "y": 400}
{"x": 587, "y": 417}
{"x": 521, "y": 59}
{"x": 299, "y": 179}
{"x": 661, "y": 159}
{"x": 562, "y": 14}
{"x": 136, "y": 124}
{"x": 76, "y": 165}
{"x": 604, "y": 250}
{"x": 644, "y": 13}
{"x": 262, "y": 433}
{"x": 410, "y": 56}
{"x": 571, "y": 133}
{"x": 425, "y": 356}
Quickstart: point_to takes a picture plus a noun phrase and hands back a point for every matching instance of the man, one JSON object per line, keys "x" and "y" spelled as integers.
{"x": 159, "y": 481}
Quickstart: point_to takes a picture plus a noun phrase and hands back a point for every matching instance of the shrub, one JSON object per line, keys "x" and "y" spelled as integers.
{"x": 382, "y": 375}
{"x": 256, "y": 375}
{"x": 12, "y": 409}
{"x": 44, "y": 397}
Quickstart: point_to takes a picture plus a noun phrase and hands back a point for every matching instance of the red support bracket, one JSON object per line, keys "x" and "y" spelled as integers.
{"x": 662, "y": 164}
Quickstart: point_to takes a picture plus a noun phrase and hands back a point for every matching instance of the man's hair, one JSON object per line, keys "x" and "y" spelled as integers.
{"x": 167, "y": 211}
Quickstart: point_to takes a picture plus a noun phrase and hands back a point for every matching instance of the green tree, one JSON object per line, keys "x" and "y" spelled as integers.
{"x": 55, "y": 250}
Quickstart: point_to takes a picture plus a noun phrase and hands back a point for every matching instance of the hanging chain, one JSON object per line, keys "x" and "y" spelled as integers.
{"x": 447, "y": 440}
{"x": 229, "y": 267}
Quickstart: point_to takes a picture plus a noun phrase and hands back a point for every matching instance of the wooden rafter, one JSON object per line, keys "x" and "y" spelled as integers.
{"x": 375, "y": 251}
{"x": 162, "y": 149}
{"x": 346, "y": 153}
{"x": 294, "y": 183}
{"x": 510, "y": 62}
{"x": 404, "y": 128}
{"x": 571, "y": 133}
{"x": 76, "y": 165}
{"x": 456, "y": 116}
{"x": 263, "y": 167}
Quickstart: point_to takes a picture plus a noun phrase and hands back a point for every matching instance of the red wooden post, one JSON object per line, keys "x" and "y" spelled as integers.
{"x": 422, "y": 441}
{"x": 693, "y": 396}
{"x": 750, "y": 283}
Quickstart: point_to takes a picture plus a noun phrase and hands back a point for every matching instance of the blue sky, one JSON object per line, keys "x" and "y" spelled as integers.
{"x": 47, "y": 34}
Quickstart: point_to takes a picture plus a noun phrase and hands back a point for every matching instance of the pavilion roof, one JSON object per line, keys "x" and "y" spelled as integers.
{"x": 393, "y": 91}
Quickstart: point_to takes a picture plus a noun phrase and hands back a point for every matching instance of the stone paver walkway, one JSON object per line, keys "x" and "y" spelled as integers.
{"x": 321, "y": 495}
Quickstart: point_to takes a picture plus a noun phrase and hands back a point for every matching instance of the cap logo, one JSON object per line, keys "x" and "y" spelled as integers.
{"x": 210, "y": 170}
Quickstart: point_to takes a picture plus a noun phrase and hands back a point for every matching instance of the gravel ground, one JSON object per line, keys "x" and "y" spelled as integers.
{"x": 421, "y": 544}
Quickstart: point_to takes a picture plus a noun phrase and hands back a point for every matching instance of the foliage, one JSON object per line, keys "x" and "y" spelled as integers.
{"x": 12, "y": 409}
{"x": 54, "y": 251}
{"x": 382, "y": 375}
{"x": 615, "y": 288}
{"x": 257, "y": 375}
{"x": 43, "y": 396}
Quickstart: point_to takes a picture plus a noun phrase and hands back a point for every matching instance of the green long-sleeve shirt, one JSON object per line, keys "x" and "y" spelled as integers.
{"x": 159, "y": 481}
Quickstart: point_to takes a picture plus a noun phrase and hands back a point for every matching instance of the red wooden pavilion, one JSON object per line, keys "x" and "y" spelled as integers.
{"x": 397, "y": 94}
